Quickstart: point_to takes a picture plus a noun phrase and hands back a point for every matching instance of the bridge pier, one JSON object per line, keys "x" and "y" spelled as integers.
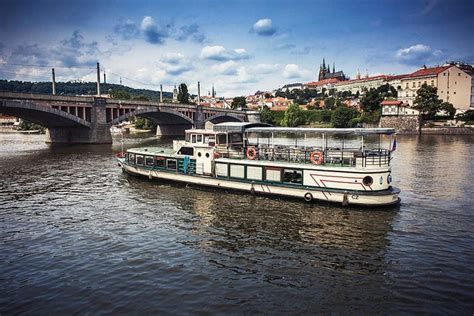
{"x": 172, "y": 130}
{"x": 98, "y": 133}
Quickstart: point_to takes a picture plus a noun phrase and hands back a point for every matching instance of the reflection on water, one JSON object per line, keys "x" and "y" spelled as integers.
{"x": 79, "y": 236}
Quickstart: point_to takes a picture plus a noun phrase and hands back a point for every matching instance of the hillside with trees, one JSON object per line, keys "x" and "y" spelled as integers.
{"x": 80, "y": 88}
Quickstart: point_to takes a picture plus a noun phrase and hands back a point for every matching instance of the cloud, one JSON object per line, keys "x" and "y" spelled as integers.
{"x": 219, "y": 53}
{"x": 417, "y": 54}
{"x": 154, "y": 34}
{"x": 191, "y": 32}
{"x": 303, "y": 51}
{"x": 429, "y": 6}
{"x": 174, "y": 64}
{"x": 227, "y": 68}
{"x": 285, "y": 46}
{"x": 263, "y": 69}
{"x": 264, "y": 27}
{"x": 126, "y": 29}
{"x": 293, "y": 71}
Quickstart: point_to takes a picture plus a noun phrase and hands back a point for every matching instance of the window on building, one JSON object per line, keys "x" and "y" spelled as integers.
{"x": 193, "y": 139}
{"x": 459, "y": 74}
{"x": 407, "y": 85}
{"x": 454, "y": 92}
{"x": 444, "y": 74}
{"x": 424, "y": 82}
{"x": 199, "y": 138}
{"x": 432, "y": 82}
{"x": 293, "y": 176}
{"x": 414, "y": 84}
{"x": 419, "y": 84}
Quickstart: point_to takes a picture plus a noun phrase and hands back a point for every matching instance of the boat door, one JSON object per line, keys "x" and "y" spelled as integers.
{"x": 203, "y": 160}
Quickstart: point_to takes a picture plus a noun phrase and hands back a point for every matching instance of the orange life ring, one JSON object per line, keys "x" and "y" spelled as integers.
{"x": 317, "y": 157}
{"x": 251, "y": 153}
{"x": 120, "y": 155}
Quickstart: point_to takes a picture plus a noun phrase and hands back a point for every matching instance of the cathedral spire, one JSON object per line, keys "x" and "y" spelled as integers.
{"x": 324, "y": 64}
{"x": 333, "y": 68}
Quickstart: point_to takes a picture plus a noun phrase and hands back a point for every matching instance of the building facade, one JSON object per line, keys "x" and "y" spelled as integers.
{"x": 454, "y": 85}
{"x": 359, "y": 85}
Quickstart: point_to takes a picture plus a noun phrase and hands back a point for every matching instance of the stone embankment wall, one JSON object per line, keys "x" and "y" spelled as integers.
{"x": 447, "y": 131}
{"x": 409, "y": 124}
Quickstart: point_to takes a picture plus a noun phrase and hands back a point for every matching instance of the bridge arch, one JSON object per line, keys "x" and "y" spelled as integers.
{"x": 157, "y": 115}
{"x": 42, "y": 115}
{"x": 224, "y": 117}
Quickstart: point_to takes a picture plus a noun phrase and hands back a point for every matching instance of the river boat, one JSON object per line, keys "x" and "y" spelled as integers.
{"x": 247, "y": 157}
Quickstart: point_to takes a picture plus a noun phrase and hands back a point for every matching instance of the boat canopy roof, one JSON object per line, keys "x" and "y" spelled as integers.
{"x": 299, "y": 130}
{"x": 237, "y": 127}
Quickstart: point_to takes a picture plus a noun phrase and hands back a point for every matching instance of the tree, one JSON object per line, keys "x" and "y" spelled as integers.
{"x": 140, "y": 98}
{"x": 266, "y": 115}
{"x": 342, "y": 116}
{"x": 293, "y": 116}
{"x": 183, "y": 95}
{"x": 144, "y": 123}
{"x": 120, "y": 94}
{"x": 371, "y": 100}
{"x": 448, "y": 108}
{"x": 238, "y": 103}
{"x": 329, "y": 103}
{"x": 427, "y": 101}
{"x": 30, "y": 126}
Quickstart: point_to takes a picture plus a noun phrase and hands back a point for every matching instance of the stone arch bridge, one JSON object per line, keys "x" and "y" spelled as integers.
{"x": 87, "y": 119}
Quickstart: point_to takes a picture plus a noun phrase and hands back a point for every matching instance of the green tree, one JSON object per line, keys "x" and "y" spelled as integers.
{"x": 183, "y": 95}
{"x": 266, "y": 115}
{"x": 371, "y": 100}
{"x": 144, "y": 123}
{"x": 293, "y": 116}
{"x": 30, "y": 126}
{"x": 238, "y": 103}
{"x": 120, "y": 94}
{"x": 427, "y": 101}
{"x": 140, "y": 98}
{"x": 448, "y": 108}
{"x": 329, "y": 103}
{"x": 342, "y": 116}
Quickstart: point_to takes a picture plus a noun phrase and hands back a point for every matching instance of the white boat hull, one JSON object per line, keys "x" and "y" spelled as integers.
{"x": 344, "y": 197}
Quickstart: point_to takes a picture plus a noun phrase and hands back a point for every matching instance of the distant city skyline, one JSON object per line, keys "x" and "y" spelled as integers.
{"x": 239, "y": 46}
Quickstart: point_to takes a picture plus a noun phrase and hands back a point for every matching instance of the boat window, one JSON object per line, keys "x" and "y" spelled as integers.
{"x": 199, "y": 138}
{"x": 186, "y": 151}
{"x": 171, "y": 164}
{"x": 212, "y": 141}
{"x": 140, "y": 159}
{"x": 235, "y": 138}
{"x": 131, "y": 158}
{"x": 254, "y": 173}
{"x": 237, "y": 171}
{"x": 186, "y": 138}
{"x": 149, "y": 161}
{"x": 221, "y": 139}
{"x": 221, "y": 169}
{"x": 160, "y": 162}
{"x": 273, "y": 174}
{"x": 193, "y": 139}
{"x": 207, "y": 155}
{"x": 293, "y": 176}
{"x": 199, "y": 154}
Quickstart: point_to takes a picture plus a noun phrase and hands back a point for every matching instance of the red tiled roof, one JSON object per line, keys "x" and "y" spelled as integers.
{"x": 391, "y": 102}
{"x": 423, "y": 72}
{"x": 363, "y": 79}
{"x": 322, "y": 82}
{"x": 395, "y": 77}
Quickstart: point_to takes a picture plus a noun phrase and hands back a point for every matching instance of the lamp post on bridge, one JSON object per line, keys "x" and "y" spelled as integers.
{"x": 53, "y": 81}
{"x": 98, "y": 80}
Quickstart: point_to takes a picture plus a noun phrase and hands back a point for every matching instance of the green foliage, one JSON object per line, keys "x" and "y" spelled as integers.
{"x": 140, "y": 98}
{"x": 329, "y": 103}
{"x": 427, "y": 101}
{"x": 77, "y": 88}
{"x": 342, "y": 116}
{"x": 120, "y": 94}
{"x": 266, "y": 115}
{"x": 144, "y": 123}
{"x": 370, "y": 117}
{"x": 448, "y": 108}
{"x": 183, "y": 95}
{"x": 30, "y": 126}
{"x": 317, "y": 116}
{"x": 371, "y": 100}
{"x": 466, "y": 116}
{"x": 239, "y": 103}
{"x": 293, "y": 116}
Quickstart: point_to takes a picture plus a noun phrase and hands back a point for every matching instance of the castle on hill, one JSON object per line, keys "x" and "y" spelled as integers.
{"x": 325, "y": 72}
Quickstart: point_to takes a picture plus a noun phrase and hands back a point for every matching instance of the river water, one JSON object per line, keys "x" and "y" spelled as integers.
{"x": 78, "y": 236}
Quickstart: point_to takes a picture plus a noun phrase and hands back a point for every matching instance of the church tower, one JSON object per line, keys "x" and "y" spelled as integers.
{"x": 175, "y": 95}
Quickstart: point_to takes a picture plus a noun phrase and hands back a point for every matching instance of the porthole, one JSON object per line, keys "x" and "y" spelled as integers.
{"x": 199, "y": 154}
{"x": 389, "y": 179}
{"x": 368, "y": 181}
{"x": 207, "y": 155}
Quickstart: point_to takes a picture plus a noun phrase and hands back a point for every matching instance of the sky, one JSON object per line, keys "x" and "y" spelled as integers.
{"x": 237, "y": 46}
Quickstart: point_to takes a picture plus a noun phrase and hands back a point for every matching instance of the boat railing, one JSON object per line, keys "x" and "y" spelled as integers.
{"x": 345, "y": 157}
